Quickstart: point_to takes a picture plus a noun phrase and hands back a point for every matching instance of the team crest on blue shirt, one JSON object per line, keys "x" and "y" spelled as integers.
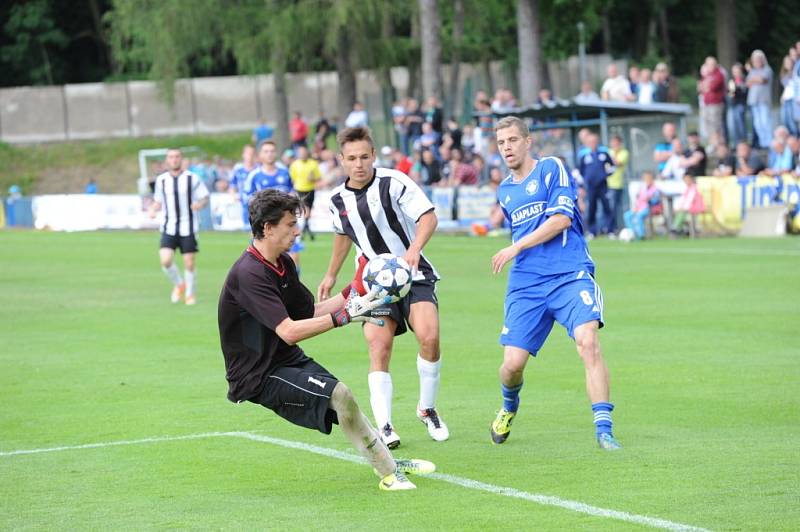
{"x": 532, "y": 187}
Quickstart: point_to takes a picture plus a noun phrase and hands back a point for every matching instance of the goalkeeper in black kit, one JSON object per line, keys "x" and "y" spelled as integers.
{"x": 264, "y": 310}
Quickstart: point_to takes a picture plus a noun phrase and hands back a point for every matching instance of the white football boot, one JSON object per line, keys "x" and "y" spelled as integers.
{"x": 389, "y": 436}
{"x": 436, "y": 427}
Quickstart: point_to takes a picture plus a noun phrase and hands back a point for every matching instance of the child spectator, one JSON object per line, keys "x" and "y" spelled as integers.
{"x": 648, "y": 201}
{"x": 689, "y": 204}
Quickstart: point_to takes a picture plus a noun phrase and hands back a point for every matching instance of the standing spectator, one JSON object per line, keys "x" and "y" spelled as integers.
{"x": 262, "y": 132}
{"x": 633, "y": 80}
{"x": 358, "y": 116}
{"x": 616, "y": 88}
{"x": 748, "y": 163}
{"x": 399, "y": 121}
{"x": 788, "y": 95}
{"x": 468, "y": 138}
{"x": 737, "y": 104}
{"x": 322, "y": 131}
{"x": 433, "y": 114}
{"x": 298, "y": 130}
{"x": 663, "y": 150}
{"x": 414, "y": 120}
{"x": 503, "y": 101}
{"x": 712, "y": 89}
{"x": 616, "y": 181}
{"x": 759, "y": 97}
{"x": 666, "y": 88}
{"x": 646, "y": 87}
{"x": 587, "y": 94}
{"x": 648, "y": 201}
{"x": 595, "y": 166}
{"x": 485, "y": 129}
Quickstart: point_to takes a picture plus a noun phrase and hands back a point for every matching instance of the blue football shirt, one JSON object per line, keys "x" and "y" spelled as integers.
{"x": 546, "y": 191}
{"x": 259, "y": 179}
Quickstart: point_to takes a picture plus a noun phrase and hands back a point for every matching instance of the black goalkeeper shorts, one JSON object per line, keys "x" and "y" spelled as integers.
{"x": 301, "y": 394}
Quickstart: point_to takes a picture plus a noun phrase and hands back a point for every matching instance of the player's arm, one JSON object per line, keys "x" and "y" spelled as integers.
{"x": 158, "y": 196}
{"x": 341, "y": 248}
{"x": 199, "y": 204}
{"x": 426, "y": 225}
{"x": 551, "y": 227}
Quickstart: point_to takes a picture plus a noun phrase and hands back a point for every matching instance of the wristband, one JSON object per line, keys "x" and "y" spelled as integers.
{"x": 340, "y": 317}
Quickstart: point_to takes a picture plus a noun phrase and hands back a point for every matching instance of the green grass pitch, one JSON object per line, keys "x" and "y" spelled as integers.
{"x": 701, "y": 339}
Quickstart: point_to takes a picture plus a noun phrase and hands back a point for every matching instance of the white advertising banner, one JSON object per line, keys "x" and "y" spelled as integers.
{"x": 475, "y": 203}
{"x": 227, "y": 213}
{"x": 89, "y": 212}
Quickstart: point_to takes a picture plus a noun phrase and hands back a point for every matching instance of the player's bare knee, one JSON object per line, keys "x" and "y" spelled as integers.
{"x": 429, "y": 346}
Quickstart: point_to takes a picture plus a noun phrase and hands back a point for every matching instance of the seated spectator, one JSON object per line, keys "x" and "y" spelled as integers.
{"x": 468, "y": 138}
{"x": 648, "y": 201}
{"x": 616, "y": 88}
{"x": 384, "y": 159}
{"x": 454, "y": 133}
{"x": 748, "y": 163}
{"x": 663, "y": 150}
{"x": 461, "y": 172}
{"x": 400, "y": 162}
{"x": 696, "y": 160}
{"x": 675, "y": 166}
{"x": 587, "y": 94}
{"x": 429, "y": 139}
{"x": 503, "y": 101}
{"x": 633, "y": 81}
{"x": 221, "y": 185}
{"x": 689, "y": 204}
{"x": 91, "y": 187}
{"x": 546, "y": 98}
{"x": 428, "y": 171}
{"x": 330, "y": 170}
{"x": 646, "y": 87}
{"x": 726, "y": 162}
{"x": 779, "y": 160}
{"x": 666, "y": 88}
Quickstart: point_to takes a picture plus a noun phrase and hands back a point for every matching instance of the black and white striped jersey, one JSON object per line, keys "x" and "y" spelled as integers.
{"x": 382, "y": 216}
{"x": 176, "y": 194}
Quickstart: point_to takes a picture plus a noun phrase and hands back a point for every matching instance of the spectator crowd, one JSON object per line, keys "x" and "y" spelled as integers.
{"x": 437, "y": 151}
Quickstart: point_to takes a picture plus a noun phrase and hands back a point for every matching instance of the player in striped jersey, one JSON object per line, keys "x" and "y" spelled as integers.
{"x": 179, "y": 194}
{"x": 551, "y": 279}
{"x": 384, "y": 211}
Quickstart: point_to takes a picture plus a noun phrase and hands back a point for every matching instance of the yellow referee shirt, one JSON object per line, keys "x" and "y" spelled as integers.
{"x": 304, "y": 174}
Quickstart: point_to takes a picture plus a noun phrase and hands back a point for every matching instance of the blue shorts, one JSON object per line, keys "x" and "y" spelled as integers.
{"x": 571, "y": 299}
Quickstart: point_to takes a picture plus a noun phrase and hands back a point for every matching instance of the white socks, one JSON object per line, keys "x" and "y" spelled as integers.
{"x": 428, "y": 382}
{"x": 190, "y": 276}
{"x": 380, "y": 397}
{"x": 173, "y": 274}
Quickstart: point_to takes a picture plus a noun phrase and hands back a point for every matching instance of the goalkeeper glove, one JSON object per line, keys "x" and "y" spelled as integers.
{"x": 356, "y": 306}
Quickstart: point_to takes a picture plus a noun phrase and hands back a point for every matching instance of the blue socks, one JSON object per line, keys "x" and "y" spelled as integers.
{"x": 602, "y": 417}
{"x": 511, "y": 397}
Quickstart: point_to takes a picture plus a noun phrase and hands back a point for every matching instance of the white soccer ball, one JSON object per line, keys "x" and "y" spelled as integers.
{"x": 390, "y": 274}
{"x": 627, "y": 234}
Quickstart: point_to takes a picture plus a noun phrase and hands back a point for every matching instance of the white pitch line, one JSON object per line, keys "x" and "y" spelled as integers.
{"x": 545, "y": 500}
{"x": 705, "y": 251}
{"x": 119, "y": 442}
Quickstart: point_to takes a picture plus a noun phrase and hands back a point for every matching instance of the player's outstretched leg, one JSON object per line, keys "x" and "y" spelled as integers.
{"x": 366, "y": 440}
{"x": 424, "y": 319}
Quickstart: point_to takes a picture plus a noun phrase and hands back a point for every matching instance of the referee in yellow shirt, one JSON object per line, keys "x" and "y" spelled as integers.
{"x": 305, "y": 175}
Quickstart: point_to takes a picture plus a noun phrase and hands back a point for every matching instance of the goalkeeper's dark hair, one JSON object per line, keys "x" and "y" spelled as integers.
{"x": 267, "y": 207}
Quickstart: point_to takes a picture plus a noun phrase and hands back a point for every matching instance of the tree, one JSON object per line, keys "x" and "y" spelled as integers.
{"x": 455, "y": 56}
{"x": 530, "y": 55}
{"x": 34, "y": 38}
{"x": 431, "y": 49}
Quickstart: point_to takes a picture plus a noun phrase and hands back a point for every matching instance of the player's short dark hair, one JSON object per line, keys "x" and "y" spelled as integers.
{"x": 354, "y": 134}
{"x": 513, "y": 121}
{"x": 267, "y": 207}
{"x": 265, "y": 142}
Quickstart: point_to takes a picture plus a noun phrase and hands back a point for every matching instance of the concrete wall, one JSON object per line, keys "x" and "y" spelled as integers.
{"x": 229, "y": 103}
{"x": 32, "y": 114}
